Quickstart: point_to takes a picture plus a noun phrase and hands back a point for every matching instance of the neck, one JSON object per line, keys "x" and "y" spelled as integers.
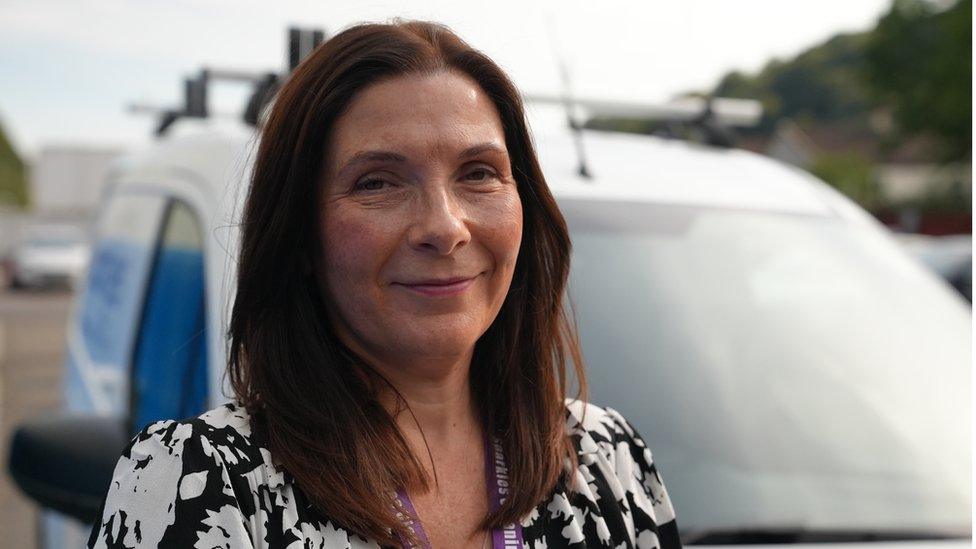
{"x": 437, "y": 398}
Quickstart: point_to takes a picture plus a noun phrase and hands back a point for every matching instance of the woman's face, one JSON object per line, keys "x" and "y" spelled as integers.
{"x": 421, "y": 220}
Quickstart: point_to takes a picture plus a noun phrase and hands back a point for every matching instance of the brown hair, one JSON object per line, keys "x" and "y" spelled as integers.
{"x": 322, "y": 420}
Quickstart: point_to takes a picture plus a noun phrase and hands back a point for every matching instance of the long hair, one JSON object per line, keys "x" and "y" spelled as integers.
{"x": 320, "y": 416}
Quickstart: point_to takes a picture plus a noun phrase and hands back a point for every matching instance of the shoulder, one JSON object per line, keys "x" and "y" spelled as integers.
{"x": 597, "y": 421}
{"x": 222, "y": 436}
{"x": 199, "y": 471}
{"x": 604, "y": 430}
{"x": 613, "y": 457}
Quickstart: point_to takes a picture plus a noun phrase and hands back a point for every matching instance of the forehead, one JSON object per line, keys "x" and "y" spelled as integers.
{"x": 440, "y": 113}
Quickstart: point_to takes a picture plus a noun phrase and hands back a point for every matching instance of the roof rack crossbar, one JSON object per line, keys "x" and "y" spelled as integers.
{"x": 728, "y": 111}
{"x": 710, "y": 118}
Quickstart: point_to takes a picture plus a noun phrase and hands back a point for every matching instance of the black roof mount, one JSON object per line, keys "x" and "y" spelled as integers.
{"x": 301, "y": 43}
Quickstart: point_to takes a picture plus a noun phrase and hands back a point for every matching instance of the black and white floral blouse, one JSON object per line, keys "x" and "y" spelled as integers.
{"x": 206, "y": 483}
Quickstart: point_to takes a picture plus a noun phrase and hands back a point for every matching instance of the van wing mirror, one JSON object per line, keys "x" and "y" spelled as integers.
{"x": 66, "y": 462}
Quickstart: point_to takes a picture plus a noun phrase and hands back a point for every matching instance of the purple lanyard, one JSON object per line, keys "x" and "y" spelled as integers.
{"x": 496, "y": 476}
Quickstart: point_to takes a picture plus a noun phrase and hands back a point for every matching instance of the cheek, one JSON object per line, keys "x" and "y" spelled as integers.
{"x": 353, "y": 251}
{"x": 503, "y": 235}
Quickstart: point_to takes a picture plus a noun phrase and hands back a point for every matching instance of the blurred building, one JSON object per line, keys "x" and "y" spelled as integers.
{"x": 66, "y": 183}
{"x": 69, "y": 180}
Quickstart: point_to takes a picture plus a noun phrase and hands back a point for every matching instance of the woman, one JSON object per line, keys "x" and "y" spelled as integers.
{"x": 398, "y": 339}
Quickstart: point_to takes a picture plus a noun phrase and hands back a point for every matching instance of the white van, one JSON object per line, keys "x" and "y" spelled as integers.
{"x": 797, "y": 376}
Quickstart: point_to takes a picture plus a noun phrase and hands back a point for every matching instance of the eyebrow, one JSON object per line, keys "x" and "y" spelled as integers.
{"x": 475, "y": 150}
{"x": 364, "y": 157}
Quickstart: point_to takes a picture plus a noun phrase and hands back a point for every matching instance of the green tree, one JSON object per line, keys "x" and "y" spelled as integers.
{"x": 13, "y": 175}
{"x": 918, "y": 62}
{"x": 852, "y": 174}
{"x": 823, "y": 83}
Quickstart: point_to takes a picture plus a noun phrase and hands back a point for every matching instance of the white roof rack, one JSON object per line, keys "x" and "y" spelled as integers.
{"x": 724, "y": 110}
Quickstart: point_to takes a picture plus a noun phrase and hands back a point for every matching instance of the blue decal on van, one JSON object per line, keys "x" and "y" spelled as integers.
{"x": 107, "y": 321}
{"x": 112, "y": 300}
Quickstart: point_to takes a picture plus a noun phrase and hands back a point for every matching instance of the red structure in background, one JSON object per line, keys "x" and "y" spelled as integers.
{"x": 931, "y": 224}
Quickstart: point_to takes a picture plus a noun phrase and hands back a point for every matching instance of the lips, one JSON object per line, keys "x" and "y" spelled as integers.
{"x": 439, "y": 287}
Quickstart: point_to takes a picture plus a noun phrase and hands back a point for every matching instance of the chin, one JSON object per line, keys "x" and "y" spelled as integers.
{"x": 440, "y": 346}
{"x": 437, "y": 340}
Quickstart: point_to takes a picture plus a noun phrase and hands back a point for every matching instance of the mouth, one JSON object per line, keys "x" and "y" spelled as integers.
{"x": 439, "y": 287}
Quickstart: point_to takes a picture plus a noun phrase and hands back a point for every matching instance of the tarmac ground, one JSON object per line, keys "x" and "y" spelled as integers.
{"x": 32, "y": 346}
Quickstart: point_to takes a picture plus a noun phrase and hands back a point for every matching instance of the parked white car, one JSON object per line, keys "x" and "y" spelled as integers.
{"x": 950, "y": 256}
{"x": 48, "y": 256}
{"x": 799, "y": 378}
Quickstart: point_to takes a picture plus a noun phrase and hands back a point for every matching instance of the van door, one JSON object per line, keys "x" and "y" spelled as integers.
{"x": 169, "y": 368}
{"x": 138, "y": 347}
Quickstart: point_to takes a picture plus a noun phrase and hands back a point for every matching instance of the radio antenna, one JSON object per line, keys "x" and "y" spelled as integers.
{"x": 567, "y": 98}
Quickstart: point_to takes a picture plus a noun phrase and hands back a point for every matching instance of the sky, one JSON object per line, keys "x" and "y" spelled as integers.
{"x": 70, "y": 68}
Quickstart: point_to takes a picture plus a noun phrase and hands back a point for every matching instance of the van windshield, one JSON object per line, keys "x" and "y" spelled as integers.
{"x": 787, "y": 371}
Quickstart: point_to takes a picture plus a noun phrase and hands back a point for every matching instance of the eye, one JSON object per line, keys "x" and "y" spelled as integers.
{"x": 371, "y": 184}
{"x": 480, "y": 174}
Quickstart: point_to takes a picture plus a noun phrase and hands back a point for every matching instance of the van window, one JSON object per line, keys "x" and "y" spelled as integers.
{"x": 101, "y": 345}
{"x": 788, "y": 371}
{"x": 169, "y": 377}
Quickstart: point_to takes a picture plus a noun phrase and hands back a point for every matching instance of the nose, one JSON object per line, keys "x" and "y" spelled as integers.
{"x": 440, "y": 224}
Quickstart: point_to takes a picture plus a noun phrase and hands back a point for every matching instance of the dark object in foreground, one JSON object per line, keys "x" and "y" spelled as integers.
{"x": 768, "y": 536}
{"x": 66, "y": 462}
